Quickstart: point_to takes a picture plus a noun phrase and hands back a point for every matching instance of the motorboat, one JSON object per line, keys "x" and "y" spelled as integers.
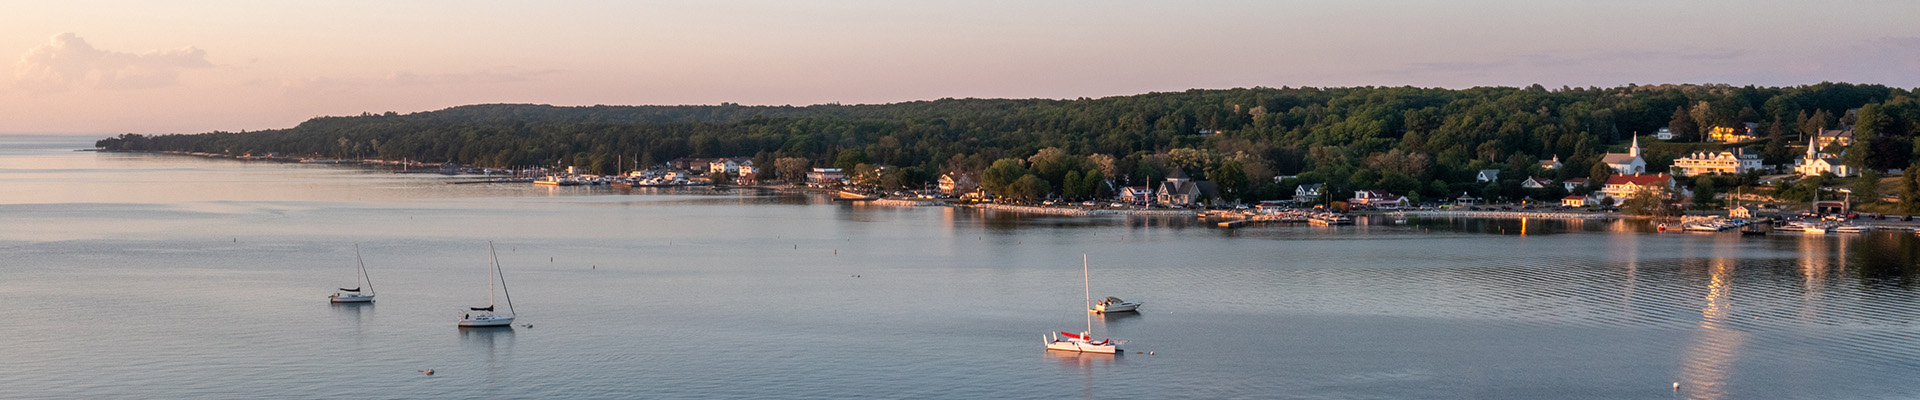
{"x": 355, "y": 295}
{"x": 1853, "y": 229}
{"x": 1114, "y": 304}
{"x": 486, "y": 316}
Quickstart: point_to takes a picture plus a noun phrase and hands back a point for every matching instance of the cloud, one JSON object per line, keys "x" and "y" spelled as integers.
{"x": 68, "y": 61}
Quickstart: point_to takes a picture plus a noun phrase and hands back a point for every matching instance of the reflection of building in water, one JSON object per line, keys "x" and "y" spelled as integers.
{"x": 1816, "y": 261}
{"x": 1716, "y": 345}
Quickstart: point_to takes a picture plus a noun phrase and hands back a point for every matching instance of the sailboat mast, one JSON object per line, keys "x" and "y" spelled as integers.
{"x": 503, "y": 281}
{"x": 363, "y": 268}
{"x": 496, "y": 267}
{"x": 1086, "y": 282}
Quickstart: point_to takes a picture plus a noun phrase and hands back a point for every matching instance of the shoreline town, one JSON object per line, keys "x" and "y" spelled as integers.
{"x": 1820, "y": 217}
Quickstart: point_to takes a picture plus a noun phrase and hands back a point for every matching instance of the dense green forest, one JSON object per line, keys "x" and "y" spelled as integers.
{"x": 1426, "y": 142}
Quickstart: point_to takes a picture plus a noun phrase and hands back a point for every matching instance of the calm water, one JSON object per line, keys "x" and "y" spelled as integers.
{"x": 130, "y": 275}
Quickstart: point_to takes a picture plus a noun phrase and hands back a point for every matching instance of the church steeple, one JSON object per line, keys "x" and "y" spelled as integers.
{"x": 1635, "y": 150}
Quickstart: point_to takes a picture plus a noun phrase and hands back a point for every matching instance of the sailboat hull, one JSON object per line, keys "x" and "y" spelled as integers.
{"x": 486, "y": 320}
{"x": 351, "y": 298}
{"x": 1070, "y": 345}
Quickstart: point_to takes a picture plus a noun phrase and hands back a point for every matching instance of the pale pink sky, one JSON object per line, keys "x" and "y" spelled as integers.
{"x": 75, "y": 66}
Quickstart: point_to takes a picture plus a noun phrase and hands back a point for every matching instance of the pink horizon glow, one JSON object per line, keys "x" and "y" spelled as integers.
{"x": 98, "y": 67}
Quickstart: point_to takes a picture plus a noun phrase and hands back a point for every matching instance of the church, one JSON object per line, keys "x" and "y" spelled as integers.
{"x": 1628, "y": 163}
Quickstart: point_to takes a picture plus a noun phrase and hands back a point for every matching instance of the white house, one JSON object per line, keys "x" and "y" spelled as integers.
{"x": 1487, "y": 175}
{"x": 1308, "y": 192}
{"x": 1664, "y": 133}
{"x": 1628, "y": 163}
{"x": 1729, "y": 162}
{"x": 1574, "y": 183}
{"x": 1623, "y": 186}
{"x": 1536, "y": 183}
{"x": 729, "y": 165}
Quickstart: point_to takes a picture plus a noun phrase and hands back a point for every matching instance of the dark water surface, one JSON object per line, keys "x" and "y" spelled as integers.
{"x": 130, "y": 275}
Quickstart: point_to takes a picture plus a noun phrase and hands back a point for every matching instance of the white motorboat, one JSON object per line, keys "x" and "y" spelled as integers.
{"x": 1082, "y": 342}
{"x": 354, "y": 295}
{"x": 1853, "y": 229}
{"x": 485, "y": 316}
{"x": 1114, "y": 304}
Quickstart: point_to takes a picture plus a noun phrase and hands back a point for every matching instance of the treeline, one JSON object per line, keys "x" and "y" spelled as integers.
{"x": 1420, "y": 141}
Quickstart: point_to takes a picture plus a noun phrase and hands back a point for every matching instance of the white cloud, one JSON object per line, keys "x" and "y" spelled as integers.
{"x": 68, "y": 61}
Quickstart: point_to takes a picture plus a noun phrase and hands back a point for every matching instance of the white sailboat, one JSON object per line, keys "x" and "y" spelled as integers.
{"x": 354, "y": 295}
{"x": 1082, "y": 342}
{"x": 485, "y": 316}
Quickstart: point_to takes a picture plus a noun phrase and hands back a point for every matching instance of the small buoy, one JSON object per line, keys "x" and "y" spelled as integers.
{"x": 427, "y": 371}
{"x": 1149, "y": 353}
{"x": 1676, "y": 386}
{"x": 595, "y": 266}
{"x": 836, "y": 251}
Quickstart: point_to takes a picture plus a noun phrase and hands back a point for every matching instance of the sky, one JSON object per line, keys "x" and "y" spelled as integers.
{"x": 101, "y": 67}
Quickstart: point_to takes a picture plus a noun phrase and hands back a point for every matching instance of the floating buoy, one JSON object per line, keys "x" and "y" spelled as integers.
{"x": 427, "y": 371}
{"x": 836, "y": 251}
{"x": 596, "y": 266}
{"x": 1149, "y": 353}
{"x": 1676, "y": 386}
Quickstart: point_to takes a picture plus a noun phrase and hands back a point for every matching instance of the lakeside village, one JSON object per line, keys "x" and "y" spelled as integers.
{"x": 1628, "y": 190}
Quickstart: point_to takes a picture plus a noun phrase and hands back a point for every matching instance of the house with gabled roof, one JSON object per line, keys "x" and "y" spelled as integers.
{"x": 1180, "y": 190}
{"x": 1487, "y": 175}
{"x": 1623, "y": 186}
{"x": 1536, "y": 183}
{"x": 1574, "y": 183}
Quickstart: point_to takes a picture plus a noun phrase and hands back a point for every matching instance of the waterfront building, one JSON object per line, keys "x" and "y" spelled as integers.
{"x": 1180, "y": 190}
{"x": 1628, "y": 163}
{"x": 1623, "y": 186}
{"x": 1536, "y": 183}
{"x": 1377, "y": 199}
{"x": 1136, "y": 194}
{"x": 956, "y": 184}
{"x": 1307, "y": 192}
{"x": 1728, "y": 162}
{"x": 826, "y": 176}
{"x": 728, "y": 165}
{"x": 1464, "y": 200}
{"x": 1574, "y": 201}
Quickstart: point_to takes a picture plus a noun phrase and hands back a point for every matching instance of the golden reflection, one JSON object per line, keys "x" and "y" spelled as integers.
{"x": 1814, "y": 265}
{"x": 1523, "y": 226}
{"x": 1715, "y": 345}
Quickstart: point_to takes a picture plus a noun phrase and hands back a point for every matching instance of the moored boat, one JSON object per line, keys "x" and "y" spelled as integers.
{"x": 485, "y": 316}
{"x": 354, "y": 295}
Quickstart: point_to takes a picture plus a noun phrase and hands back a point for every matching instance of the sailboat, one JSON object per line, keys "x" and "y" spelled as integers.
{"x": 485, "y": 316}
{"x": 1082, "y": 342}
{"x": 354, "y": 295}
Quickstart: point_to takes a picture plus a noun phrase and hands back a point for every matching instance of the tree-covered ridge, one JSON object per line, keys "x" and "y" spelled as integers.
{"x": 1411, "y": 140}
